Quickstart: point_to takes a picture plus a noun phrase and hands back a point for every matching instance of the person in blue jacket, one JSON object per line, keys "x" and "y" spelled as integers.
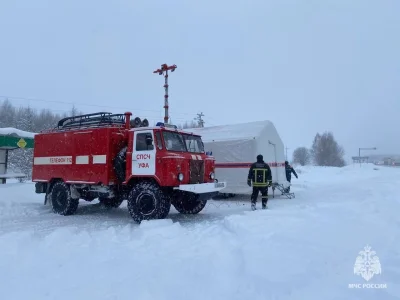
{"x": 289, "y": 170}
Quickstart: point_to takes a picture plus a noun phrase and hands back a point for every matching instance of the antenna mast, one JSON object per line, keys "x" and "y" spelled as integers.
{"x": 286, "y": 152}
{"x": 164, "y": 69}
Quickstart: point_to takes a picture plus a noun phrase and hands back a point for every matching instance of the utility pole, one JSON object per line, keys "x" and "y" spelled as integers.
{"x": 199, "y": 120}
{"x": 286, "y": 152}
{"x": 164, "y": 69}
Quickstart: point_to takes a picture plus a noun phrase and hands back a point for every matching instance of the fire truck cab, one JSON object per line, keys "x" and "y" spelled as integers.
{"x": 113, "y": 158}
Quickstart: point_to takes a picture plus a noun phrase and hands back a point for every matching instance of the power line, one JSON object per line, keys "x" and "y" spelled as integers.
{"x": 83, "y": 104}
{"x": 61, "y": 111}
{"x": 181, "y": 118}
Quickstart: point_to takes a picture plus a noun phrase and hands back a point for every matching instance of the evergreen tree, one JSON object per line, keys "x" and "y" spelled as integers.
{"x": 7, "y": 114}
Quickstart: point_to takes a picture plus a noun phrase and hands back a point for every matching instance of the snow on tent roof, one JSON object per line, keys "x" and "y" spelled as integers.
{"x": 241, "y": 131}
{"x": 16, "y": 132}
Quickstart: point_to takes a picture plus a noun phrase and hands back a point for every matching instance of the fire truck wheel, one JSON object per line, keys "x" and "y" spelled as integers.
{"x": 146, "y": 201}
{"x": 165, "y": 208}
{"x": 111, "y": 202}
{"x": 188, "y": 203}
{"x": 61, "y": 201}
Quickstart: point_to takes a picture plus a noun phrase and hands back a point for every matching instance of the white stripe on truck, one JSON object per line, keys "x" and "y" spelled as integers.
{"x": 99, "y": 159}
{"x": 67, "y": 160}
{"x": 196, "y": 157}
{"x": 82, "y": 160}
{"x": 53, "y": 160}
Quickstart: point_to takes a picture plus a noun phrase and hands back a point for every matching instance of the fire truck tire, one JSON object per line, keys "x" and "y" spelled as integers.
{"x": 61, "y": 200}
{"x": 188, "y": 203}
{"x": 111, "y": 202}
{"x": 120, "y": 164}
{"x": 147, "y": 201}
{"x": 165, "y": 209}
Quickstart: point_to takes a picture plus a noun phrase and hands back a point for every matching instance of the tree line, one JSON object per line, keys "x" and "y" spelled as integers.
{"x": 324, "y": 151}
{"x": 31, "y": 120}
{"x": 191, "y": 124}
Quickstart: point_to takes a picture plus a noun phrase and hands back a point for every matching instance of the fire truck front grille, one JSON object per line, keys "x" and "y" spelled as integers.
{"x": 196, "y": 171}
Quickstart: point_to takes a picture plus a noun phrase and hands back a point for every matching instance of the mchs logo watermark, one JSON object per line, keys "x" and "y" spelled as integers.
{"x": 367, "y": 265}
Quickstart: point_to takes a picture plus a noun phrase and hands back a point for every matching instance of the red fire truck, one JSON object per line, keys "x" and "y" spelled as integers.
{"x": 113, "y": 158}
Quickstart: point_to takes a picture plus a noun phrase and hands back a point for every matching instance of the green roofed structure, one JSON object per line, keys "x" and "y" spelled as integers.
{"x": 11, "y": 139}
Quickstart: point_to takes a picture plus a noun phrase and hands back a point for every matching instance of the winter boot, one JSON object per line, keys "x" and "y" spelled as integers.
{"x": 264, "y": 201}
{"x": 253, "y": 206}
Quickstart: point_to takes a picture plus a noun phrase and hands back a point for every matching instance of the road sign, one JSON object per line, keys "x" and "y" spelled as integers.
{"x": 360, "y": 157}
{"x": 21, "y": 143}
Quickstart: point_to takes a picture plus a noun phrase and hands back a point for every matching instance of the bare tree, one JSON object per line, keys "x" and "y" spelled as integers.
{"x": 326, "y": 151}
{"x": 7, "y": 113}
{"x": 301, "y": 156}
{"x": 314, "y": 151}
{"x": 74, "y": 111}
{"x": 191, "y": 124}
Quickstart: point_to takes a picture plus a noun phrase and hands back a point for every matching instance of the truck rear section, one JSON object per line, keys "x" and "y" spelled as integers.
{"x": 109, "y": 157}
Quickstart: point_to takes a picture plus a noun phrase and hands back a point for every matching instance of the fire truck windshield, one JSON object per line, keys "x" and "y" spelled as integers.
{"x": 174, "y": 141}
{"x": 182, "y": 142}
{"x": 193, "y": 143}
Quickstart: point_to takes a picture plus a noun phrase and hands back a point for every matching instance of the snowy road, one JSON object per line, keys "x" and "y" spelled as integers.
{"x": 302, "y": 248}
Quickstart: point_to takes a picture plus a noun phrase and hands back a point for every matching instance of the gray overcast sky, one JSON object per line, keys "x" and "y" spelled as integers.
{"x": 308, "y": 66}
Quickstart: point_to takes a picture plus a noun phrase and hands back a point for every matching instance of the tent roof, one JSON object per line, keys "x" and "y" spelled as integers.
{"x": 9, "y": 131}
{"x": 240, "y": 131}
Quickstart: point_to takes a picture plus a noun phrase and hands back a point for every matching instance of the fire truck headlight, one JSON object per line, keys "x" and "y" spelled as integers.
{"x": 180, "y": 176}
{"x": 212, "y": 175}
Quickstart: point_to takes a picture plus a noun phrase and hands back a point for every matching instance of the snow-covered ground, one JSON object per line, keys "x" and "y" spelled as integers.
{"x": 301, "y": 248}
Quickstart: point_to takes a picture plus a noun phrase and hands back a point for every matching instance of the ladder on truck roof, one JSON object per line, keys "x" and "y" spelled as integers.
{"x": 91, "y": 120}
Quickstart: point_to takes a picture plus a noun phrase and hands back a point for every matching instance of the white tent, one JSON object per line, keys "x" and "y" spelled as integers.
{"x": 235, "y": 147}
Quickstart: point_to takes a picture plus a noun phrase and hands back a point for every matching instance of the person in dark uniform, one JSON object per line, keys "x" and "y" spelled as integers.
{"x": 289, "y": 170}
{"x": 261, "y": 177}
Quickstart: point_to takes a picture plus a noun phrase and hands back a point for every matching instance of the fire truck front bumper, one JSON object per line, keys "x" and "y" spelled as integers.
{"x": 207, "y": 189}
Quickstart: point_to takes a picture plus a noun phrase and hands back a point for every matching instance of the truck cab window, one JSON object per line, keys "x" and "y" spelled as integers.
{"x": 174, "y": 141}
{"x": 194, "y": 144}
{"x": 141, "y": 144}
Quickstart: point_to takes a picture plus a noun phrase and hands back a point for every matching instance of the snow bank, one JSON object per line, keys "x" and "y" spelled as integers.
{"x": 302, "y": 248}
{"x": 16, "y": 132}
{"x": 349, "y": 173}
{"x": 12, "y": 175}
